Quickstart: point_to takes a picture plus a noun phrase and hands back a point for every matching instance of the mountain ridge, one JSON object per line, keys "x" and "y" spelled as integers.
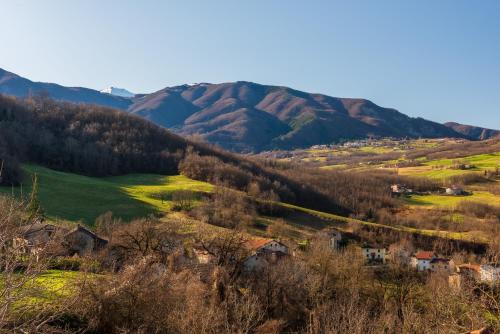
{"x": 243, "y": 116}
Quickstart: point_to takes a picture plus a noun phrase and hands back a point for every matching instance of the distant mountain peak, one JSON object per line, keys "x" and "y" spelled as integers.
{"x": 117, "y": 92}
{"x": 249, "y": 117}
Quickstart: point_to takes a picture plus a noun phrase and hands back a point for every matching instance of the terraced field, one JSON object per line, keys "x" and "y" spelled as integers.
{"x": 74, "y": 197}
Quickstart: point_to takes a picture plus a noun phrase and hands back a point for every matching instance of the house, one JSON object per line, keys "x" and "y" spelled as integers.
{"x": 400, "y": 189}
{"x": 264, "y": 252}
{"x": 400, "y": 254}
{"x": 335, "y": 239}
{"x": 333, "y": 236}
{"x": 82, "y": 241}
{"x": 422, "y": 260}
{"x": 372, "y": 253}
{"x": 442, "y": 265}
{"x": 455, "y": 191}
{"x": 202, "y": 255}
{"x": 484, "y": 273}
{"x": 490, "y": 273}
{"x": 34, "y": 237}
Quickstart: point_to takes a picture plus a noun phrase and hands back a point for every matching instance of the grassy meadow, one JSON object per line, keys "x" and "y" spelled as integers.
{"x": 71, "y": 197}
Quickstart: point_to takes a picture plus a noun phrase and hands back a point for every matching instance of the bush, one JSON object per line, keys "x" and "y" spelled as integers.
{"x": 66, "y": 263}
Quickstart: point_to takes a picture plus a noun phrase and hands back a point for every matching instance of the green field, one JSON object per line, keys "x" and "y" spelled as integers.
{"x": 443, "y": 201}
{"x": 480, "y": 161}
{"x": 74, "y": 197}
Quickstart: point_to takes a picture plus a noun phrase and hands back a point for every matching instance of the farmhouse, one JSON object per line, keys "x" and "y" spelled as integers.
{"x": 333, "y": 236}
{"x": 476, "y": 273}
{"x": 264, "y": 252}
{"x": 34, "y": 237}
{"x": 422, "y": 260}
{"x": 82, "y": 241}
{"x": 442, "y": 265}
{"x": 335, "y": 239}
{"x": 372, "y": 253}
{"x": 400, "y": 189}
{"x": 455, "y": 191}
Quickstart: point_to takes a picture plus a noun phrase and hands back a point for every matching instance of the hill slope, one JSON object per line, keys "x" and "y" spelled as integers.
{"x": 75, "y": 197}
{"x": 249, "y": 117}
{"x": 473, "y": 131}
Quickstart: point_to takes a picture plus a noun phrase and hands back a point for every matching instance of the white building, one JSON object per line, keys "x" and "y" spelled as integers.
{"x": 454, "y": 190}
{"x": 374, "y": 253}
{"x": 490, "y": 273}
{"x": 422, "y": 260}
{"x": 264, "y": 252}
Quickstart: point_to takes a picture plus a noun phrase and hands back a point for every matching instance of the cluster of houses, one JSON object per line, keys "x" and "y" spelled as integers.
{"x": 401, "y": 189}
{"x": 262, "y": 252}
{"x": 424, "y": 261}
{"x": 428, "y": 261}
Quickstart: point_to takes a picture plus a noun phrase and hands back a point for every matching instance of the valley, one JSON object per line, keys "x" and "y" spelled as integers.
{"x": 95, "y": 198}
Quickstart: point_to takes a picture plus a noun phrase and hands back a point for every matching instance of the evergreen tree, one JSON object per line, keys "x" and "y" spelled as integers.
{"x": 35, "y": 209}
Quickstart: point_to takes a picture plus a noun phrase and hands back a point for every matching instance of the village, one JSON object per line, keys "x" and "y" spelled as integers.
{"x": 262, "y": 252}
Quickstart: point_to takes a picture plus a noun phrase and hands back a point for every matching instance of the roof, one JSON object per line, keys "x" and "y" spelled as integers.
{"x": 255, "y": 244}
{"x": 474, "y": 267}
{"x": 437, "y": 259}
{"x": 424, "y": 255}
{"x": 80, "y": 228}
{"x": 36, "y": 227}
{"x": 373, "y": 246}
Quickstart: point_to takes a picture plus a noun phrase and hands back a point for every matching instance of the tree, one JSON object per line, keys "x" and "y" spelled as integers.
{"x": 35, "y": 209}
{"x": 183, "y": 200}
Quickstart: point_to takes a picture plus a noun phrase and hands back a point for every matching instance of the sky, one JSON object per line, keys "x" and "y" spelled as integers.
{"x": 438, "y": 60}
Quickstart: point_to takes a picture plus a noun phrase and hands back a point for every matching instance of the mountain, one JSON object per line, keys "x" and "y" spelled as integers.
{"x": 12, "y": 84}
{"x": 473, "y": 131}
{"x": 118, "y": 92}
{"x": 248, "y": 117}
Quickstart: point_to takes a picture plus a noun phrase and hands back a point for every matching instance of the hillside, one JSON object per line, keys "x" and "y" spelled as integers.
{"x": 473, "y": 131}
{"x": 248, "y": 117}
{"x": 72, "y": 197}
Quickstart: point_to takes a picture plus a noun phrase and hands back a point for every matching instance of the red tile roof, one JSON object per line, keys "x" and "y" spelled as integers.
{"x": 474, "y": 267}
{"x": 424, "y": 255}
{"x": 256, "y": 243}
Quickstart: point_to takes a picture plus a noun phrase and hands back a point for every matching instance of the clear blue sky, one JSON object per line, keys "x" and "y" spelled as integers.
{"x": 435, "y": 59}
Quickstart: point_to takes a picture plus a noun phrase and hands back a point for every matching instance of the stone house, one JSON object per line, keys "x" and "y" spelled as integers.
{"x": 335, "y": 239}
{"x": 35, "y": 237}
{"x": 82, "y": 241}
{"x": 264, "y": 252}
{"x": 442, "y": 265}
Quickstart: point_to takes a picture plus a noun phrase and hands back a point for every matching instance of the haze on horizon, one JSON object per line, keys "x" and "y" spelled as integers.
{"x": 437, "y": 60}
